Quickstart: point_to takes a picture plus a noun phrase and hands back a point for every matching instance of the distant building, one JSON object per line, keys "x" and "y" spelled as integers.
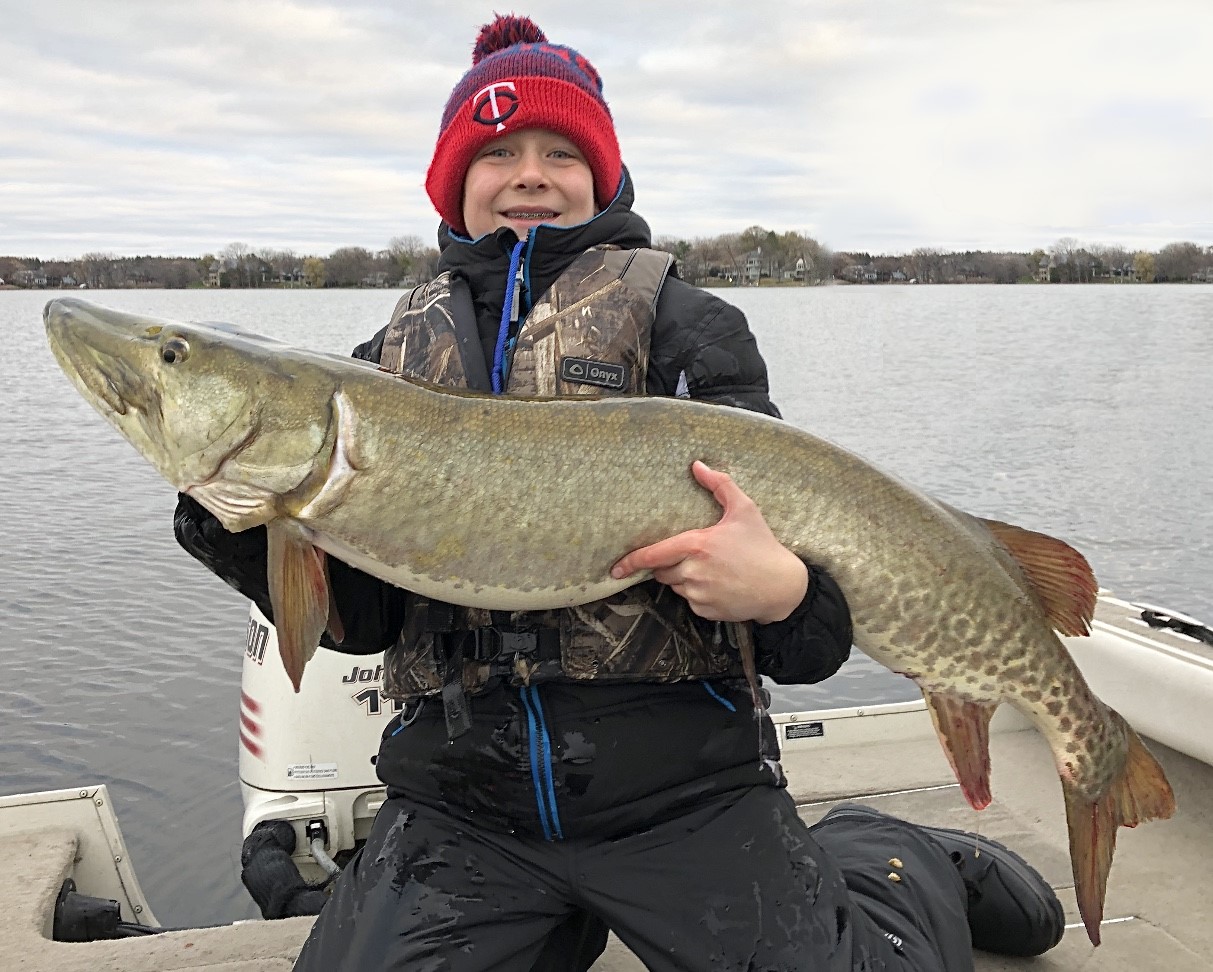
{"x": 751, "y": 270}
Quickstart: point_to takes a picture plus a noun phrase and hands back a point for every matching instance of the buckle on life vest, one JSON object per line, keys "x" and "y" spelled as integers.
{"x": 490, "y": 643}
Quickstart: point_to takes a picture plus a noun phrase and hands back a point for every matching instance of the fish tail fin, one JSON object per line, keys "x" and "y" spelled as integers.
{"x": 964, "y": 730}
{"x": 300, "y": 597}
{"x": 1140, "y": 792}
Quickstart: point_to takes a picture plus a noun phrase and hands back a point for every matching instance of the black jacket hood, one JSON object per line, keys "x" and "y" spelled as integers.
{"x": 485, "y": 261}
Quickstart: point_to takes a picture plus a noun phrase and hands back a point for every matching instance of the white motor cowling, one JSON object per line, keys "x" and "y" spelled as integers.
{"x": 308, "y": 758}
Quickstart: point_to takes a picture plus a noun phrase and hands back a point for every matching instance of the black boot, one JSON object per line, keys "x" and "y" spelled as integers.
{"x": 1012, "y": 909}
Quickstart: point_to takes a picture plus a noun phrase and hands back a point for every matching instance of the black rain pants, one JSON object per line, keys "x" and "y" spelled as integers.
{"x": 669, "y": 827}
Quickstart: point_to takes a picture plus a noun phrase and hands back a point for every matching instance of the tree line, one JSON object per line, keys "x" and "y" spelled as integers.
{"x": 756, "y": 256}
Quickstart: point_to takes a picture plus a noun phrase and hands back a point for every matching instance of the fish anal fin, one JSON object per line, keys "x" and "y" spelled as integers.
{"x": 964, "y": 730}
{"x": 299, "y": 595}
{"x": 1059, "y": 575}
{"x": 1141, "y": 792}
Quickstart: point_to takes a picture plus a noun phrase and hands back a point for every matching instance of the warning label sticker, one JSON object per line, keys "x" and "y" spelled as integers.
{"x": 311, "y": 771}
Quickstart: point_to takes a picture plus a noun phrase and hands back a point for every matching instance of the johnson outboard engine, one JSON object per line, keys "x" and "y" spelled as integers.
{"x": 307, "y": 760}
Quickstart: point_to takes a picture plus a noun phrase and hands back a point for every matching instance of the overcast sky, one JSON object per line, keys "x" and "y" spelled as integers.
{"x": 173, "y": 128}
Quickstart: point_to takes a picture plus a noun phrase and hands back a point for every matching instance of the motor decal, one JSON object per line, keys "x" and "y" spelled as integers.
{"x": 311, "y": 771}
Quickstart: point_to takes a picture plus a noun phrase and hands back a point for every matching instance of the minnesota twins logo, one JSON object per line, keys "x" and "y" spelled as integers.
{"x": 494, "y": 104}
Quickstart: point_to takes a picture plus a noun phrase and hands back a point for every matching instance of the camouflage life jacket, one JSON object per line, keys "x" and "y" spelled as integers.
{"x": 587, "y": 335}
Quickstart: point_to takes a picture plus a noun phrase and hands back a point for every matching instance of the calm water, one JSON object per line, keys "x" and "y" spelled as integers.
{"x": 1078, "y": 411}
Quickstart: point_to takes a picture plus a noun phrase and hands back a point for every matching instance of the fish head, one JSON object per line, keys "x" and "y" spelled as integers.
{"x": 219, "y": 413}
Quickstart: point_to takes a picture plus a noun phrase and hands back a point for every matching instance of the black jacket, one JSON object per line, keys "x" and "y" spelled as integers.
{"x": 700, "y": 346}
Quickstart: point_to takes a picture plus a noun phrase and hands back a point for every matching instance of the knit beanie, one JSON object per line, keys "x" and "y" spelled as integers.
{"x": 518, "y": 80}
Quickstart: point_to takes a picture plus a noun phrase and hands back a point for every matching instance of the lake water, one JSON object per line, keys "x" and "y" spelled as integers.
{"x": 1079, "y": 411}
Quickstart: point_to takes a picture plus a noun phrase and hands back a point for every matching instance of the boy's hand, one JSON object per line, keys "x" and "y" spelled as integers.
{"x": 735, "y": 570}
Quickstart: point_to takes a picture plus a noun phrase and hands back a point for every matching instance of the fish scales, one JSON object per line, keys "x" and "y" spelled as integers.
{"x": 527, "y": 503}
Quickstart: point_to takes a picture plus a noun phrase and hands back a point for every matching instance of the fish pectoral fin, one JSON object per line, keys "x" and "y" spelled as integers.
{"x": 964, "y": 730}
{"x": 1139, "y": 793}
{"x": 299, "y": 594}
{"x": 238, "y": 506}
{"x": 1058, "y": 575}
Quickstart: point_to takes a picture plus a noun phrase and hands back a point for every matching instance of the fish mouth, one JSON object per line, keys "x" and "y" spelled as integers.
{"x": 96, "y": 372}
{"x": 90, "y": 376}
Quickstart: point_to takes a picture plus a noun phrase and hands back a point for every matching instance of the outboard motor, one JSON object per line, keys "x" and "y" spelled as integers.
{"x": 309, "y": 758}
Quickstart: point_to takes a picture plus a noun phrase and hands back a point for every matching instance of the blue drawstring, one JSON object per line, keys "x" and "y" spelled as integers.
{"x": 718, "y": 697}
{"x": 509, "y": 314}
{"x": 533, "y": 730}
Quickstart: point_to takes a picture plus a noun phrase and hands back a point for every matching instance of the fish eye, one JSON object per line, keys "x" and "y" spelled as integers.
{"x": 175, "y": 351}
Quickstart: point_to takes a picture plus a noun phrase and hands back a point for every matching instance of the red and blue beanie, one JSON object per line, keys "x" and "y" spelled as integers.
{"x": 518, "y": 80}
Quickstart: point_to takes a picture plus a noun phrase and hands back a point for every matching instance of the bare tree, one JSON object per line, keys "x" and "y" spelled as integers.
{"x": 97, "y": 270}
{"x": 1179, "y": 261}
{"x": 926, "y": 264}
{"x": 407, "y": 252}
{"x": 1065, "y": 253}
{"x": 283, "y": 263}
{"x": 235, "y": 257}
{"x": 349, "y": 266}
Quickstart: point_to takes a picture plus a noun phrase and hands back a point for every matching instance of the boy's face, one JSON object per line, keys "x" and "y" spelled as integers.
{"x": 526, "y": 178}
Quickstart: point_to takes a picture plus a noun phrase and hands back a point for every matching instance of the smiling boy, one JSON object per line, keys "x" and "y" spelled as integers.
{"x": 526, "y": 178}
{"x": 556, "y": 773}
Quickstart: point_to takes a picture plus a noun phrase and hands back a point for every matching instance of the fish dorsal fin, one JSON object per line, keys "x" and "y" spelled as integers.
{"x": 1058, "y": 575}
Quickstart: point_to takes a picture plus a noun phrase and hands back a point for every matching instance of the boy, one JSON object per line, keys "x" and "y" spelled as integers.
{"x": 555, "y": 773}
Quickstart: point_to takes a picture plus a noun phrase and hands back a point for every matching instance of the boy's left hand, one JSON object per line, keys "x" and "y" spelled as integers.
{"x": 735, "y": 570}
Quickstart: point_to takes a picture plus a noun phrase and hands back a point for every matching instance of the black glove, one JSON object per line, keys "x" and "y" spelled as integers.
{"x": 239, "y": 559}
{"x": 813, "y": 641}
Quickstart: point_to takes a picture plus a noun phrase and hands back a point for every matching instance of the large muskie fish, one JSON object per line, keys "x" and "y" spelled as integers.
{"x": 527, "y": 503}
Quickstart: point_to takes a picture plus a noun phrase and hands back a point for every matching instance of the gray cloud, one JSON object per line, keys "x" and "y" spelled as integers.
{"x": 138, "y": 127}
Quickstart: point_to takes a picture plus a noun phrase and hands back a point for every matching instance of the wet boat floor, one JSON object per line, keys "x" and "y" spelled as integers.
{"x": 1158, "y": 903}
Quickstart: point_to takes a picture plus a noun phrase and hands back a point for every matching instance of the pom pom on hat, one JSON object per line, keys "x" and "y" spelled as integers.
{"x": 520, "y": 80}
{"x": 505, "y": 32}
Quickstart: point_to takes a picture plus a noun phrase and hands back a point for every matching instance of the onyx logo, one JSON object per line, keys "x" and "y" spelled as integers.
{"x": 583, "y": 371}
{"x": 494, "y": 104}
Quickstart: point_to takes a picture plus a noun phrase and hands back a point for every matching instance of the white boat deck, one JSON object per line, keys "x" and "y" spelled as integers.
{"x": 1158, "y": 902}
{"x": 1157, "y": 906}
